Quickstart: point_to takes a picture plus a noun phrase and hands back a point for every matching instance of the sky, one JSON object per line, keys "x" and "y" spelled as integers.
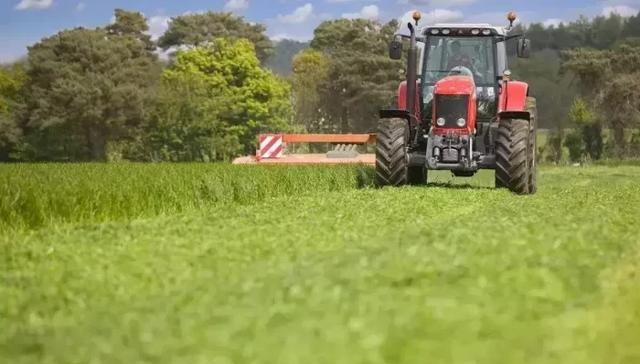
{"x": 25, "y": 22}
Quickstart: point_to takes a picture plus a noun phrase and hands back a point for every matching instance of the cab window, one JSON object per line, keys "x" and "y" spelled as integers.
{"x": 449, "y": 55}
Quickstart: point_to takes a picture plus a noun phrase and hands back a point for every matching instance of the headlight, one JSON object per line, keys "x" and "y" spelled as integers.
{"x": 475, "y": 31}
{"x": 440, "y": 122}
{"x": 461, "y": 122}
{"x": 446, "y": 31}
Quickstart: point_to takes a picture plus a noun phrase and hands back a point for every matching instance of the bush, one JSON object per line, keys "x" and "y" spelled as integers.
{"x": 575, "y": 144}
{"x": 554, "y": 146}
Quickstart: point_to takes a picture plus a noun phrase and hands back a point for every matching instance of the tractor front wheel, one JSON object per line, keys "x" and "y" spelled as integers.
{"x": 392, "y": 164}
{"x": 513, "y": 169}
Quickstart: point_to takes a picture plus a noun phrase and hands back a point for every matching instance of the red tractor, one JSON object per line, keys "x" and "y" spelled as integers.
{"x": 463, "y": 113}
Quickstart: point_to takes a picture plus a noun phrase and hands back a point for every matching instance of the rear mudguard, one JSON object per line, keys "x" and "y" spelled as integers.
{"x": 513, "y": 101}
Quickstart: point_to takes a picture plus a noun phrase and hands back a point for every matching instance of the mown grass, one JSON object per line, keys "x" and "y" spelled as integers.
{"x": 455, "y": 274}
{"x": 34, "y": 196}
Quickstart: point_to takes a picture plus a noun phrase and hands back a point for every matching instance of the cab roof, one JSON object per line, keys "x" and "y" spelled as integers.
{"x": 499, "y": 30}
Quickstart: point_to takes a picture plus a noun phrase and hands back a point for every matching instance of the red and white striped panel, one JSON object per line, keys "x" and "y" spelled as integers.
{"x": 271, "y": 146}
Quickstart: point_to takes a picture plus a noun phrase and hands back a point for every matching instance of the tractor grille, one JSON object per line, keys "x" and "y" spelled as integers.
{"x": 452, "y": 108}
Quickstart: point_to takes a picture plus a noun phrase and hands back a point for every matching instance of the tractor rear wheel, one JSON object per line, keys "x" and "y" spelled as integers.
{"x": 533, "y": 147}
{"x": 512, "y": 155}
{"x": 392, "y": 164}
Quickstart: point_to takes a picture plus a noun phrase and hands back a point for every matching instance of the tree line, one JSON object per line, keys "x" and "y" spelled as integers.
{"x": 104, "y": 93}
{"x": 585, "y": 75}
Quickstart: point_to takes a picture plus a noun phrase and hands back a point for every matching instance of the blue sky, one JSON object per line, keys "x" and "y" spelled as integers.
{"x": 24, "y": 22}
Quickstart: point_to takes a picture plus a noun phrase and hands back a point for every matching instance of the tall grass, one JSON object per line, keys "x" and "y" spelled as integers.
{"x": 33, "y": 196}
{"x": 402, "y": 275}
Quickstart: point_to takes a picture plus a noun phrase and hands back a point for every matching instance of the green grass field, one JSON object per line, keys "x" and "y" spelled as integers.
{"x": 213, "y": 264}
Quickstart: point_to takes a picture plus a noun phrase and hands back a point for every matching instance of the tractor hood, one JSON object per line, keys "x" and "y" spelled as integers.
{"x": 455, "y": 85}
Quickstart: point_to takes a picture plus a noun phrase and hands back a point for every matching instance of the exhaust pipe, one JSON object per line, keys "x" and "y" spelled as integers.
{"x": 412, "y": 72}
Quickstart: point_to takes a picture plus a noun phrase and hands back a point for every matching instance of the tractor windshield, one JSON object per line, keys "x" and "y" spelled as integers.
{"x": 452, "y": 55}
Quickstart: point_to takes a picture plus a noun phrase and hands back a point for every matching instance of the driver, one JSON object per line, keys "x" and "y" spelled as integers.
{"x": 458, "y": 59}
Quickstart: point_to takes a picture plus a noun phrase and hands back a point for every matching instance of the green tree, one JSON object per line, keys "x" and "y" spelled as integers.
{"x": 606, "y": 30}
{"x": 200, "y": 28}
{"x": 310, "y": 86}
{"x": 86, "y": 89}
{"x": 133, "y": 24}
{"x": 362, "y": 76}
{"x": 554, "y": 90}
{"x": 12, "y": 80}
{"x": 215, "y": 100}
{"x": 610, "y": 80}
{"x": 588, "y": 126}
{"x": 632, "y": 27}
{"x": 281, "y": 59}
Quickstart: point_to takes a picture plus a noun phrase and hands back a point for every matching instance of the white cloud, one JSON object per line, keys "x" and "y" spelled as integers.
{"x": 436, "y": 16}
{"x": 499, "y": 18}
{"x": 34, "y": 4}
{"x": 280, "y": 36}
{"x": 236, "y": 5}
{"x": 158, "y": 25}
{"x": 80, "y": 7}
{"x": 622, "y": 10}
{"x": 430, "y": 18}
{"x": 368, "y": 12}
{"x": 437, "y": 3}
{"x": 193, "y": 12}
{"x": 298, "y": 16}
{"x": 552, "y": 22}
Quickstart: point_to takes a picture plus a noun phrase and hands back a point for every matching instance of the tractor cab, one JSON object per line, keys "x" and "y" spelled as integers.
{"x": 475, "y": 50}
{"x": 456, "y": 103}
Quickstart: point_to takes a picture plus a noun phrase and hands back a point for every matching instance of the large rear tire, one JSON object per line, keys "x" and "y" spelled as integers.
{"x": 533, "y": 147}
{"x": 392, "y": 164}
{"x": 512, "y": 155}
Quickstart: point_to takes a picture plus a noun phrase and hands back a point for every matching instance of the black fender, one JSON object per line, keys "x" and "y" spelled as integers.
{"x": 395, "y": 114}
{"x": 522, "y": 115}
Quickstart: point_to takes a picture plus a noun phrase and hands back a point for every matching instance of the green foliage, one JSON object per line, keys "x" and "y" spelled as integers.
{"x": 310, "y": 80}
{"x": 575, "y": 144}
{"x": 600, "y": 32}
{"x": 322, "y": 273}
{"x": 12, "y": 80}
{"x": 86, "y": 88}
{"x": 214, "y": 101}
{"x": 362, "y": 77}
{"x": 39, "y": 195}
{"x": 553, "y": 146}
{"x": 581, "y": 43}
{"x": 610, "y": 79}
{"x": 133, "y": 24}
{"x": 591, "y": 129}
{"x": 634, "y": 145}
{"x": 281, "y": 59}
{"x": 554, "y": 91}
{"x": 200, "y": 28}
{"x": 580, "y": 114}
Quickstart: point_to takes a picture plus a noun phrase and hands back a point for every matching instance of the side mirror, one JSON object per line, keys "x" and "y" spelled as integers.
{"x": 524, "y": 48}
{"x": 395, "y": 49}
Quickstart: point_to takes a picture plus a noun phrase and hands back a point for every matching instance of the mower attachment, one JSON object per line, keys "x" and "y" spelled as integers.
{"x": 273, "y": 149}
